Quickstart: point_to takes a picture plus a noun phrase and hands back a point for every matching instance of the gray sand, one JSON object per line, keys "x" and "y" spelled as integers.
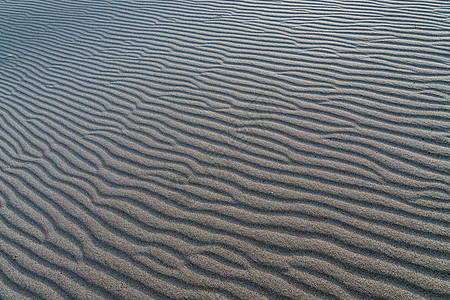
{"x": 224, "y": 149}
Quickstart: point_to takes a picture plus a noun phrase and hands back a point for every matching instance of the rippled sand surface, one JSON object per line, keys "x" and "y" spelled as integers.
{"x": 224, "y": 149}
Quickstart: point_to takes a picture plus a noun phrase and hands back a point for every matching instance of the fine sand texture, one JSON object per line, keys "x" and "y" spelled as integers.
{"x": 226, "y": 149}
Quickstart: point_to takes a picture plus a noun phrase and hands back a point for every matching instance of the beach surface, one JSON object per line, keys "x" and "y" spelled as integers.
{"x": 224, "y": 149}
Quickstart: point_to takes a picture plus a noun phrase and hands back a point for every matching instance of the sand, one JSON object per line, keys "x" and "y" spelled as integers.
{"x": 224, "y": 149}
